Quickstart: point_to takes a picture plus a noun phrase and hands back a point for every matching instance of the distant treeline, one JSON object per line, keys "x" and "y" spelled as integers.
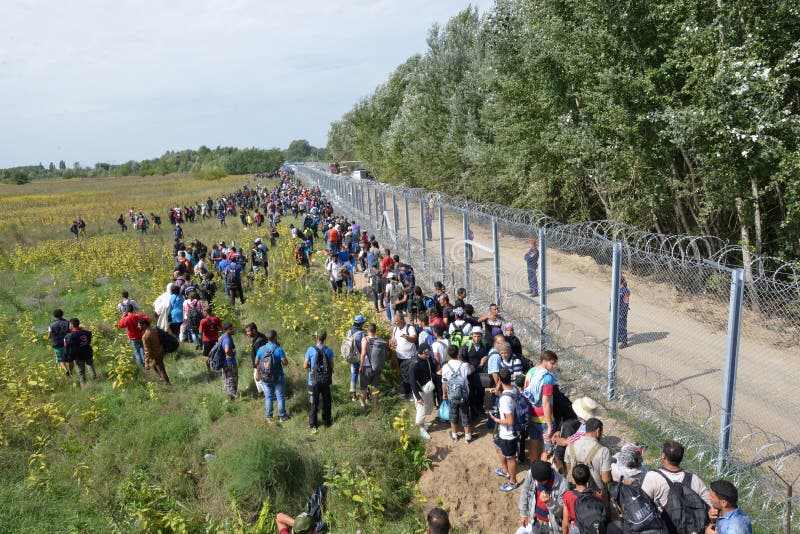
{"x": 672, "y": 116}
{"x": 204, "y": 162}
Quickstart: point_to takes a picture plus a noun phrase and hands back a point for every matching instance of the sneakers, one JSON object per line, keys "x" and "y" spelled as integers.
{"x": 312, "y": 429}
{"x": 282, "y": 419}
{"x": 454, "y": 437}
{"x": 508, "y": 486}
{"x": 499, "y": 472}
{"x": 470, "y": 438}
{"x": 424, "y": 433}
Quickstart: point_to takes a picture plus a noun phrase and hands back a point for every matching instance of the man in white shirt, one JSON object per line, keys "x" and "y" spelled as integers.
{"x": 404, "y": 337}
{"x": 506, "y": 440}
{"x": 656, "y": 486}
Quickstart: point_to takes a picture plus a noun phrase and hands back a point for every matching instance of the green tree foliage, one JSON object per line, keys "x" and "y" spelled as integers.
{"x": 671, "y": 115}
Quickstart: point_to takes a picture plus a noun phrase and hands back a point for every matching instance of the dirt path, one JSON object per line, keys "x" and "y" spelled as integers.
{"x": 682, "y": 338}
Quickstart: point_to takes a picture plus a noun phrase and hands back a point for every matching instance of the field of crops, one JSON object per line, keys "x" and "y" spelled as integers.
{"x": 127, "y": 454}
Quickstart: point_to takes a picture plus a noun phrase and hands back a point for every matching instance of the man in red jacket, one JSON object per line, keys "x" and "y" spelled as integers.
{"x": 130, "y": 322}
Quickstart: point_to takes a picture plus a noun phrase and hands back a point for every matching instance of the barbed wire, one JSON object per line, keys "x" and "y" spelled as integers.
{"x": 654, "y": 404}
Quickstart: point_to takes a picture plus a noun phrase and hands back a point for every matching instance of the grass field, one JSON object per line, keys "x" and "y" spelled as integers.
{"x": 127, "y": 454}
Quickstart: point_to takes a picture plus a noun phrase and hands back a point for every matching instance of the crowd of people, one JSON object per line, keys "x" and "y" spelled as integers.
{"x": 466, "y": 366}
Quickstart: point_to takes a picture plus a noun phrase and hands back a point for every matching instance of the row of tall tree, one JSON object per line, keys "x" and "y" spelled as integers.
{"x": 670, "y": 115}
{"x": 204, "y": 162}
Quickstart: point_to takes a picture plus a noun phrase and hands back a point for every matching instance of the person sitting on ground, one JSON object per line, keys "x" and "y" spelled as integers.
{"x": 302, "y": 524}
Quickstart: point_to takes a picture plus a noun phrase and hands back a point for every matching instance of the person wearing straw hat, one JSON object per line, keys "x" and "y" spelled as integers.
{"x": 573, "y": 429}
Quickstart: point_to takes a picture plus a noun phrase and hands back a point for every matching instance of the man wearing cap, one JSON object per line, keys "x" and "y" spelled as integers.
{"x": 541, "y": 499}
{"x": 357, "y": 331}
{"x": 302, "y": 524}
{"x": 532, "y": 260}
{"x": 477, "y": 352}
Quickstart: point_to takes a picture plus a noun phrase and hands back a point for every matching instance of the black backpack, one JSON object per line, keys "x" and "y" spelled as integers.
{"x": 685, "y": 511}
{"x": 591, "y": 515}
{"x": 233, "y": 278}
{"x": 193, "y": 318}
{"x": 268, "y": 370}
{"x": 639, "y": 513}
{"x": 168, "y": 341}
{"x": 321, "y": 373}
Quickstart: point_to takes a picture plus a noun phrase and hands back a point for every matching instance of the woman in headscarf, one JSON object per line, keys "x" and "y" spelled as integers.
{"x": 161, "y": 307}
{"x": 629, "y": 465}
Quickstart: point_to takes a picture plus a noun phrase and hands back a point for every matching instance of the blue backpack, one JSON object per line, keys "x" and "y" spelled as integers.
{"x": 521, "y": 411}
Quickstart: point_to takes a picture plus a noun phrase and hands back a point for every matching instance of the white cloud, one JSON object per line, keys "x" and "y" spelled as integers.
{"x": 113, "y": 80}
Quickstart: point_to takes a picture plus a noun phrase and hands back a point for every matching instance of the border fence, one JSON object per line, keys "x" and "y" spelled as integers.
{"x": 711, "y": 355}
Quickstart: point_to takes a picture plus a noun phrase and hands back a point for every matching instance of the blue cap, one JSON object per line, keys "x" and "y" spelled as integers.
{"x": 358, "y": 319}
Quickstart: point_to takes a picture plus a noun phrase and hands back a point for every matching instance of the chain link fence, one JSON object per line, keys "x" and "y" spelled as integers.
{"x": 680, "y": 327}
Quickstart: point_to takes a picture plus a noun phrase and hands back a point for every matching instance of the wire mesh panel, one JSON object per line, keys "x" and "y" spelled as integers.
{"x": 673, "y": 343}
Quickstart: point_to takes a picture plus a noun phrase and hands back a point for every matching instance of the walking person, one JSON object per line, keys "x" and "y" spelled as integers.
{"x": 130, "y": 322}
{"x": 230, "y": 370}
{"x": 404, "y": 338}
{"x": 270, "y": 360}
{"x": 153, "y": 349}
{"x": 624, "y": 306}
{"x": 210, "y": 327}
{"x": 319, "y": 362}
{"x": 373, "y": 358}
{"x": 56, "y": 332}
{"x": 175, "y": 310}
{"x": 506, "y": 440}
{"x": 422, "y": 388}
{"x": 532, "y": 260}
{"x": 78, "y": 349}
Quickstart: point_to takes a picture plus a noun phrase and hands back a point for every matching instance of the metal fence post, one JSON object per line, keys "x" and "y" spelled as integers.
{"x": 408, "y": 228}
{"x": 496, "y": 246}
{"x": 613, "y": 330}
{"x": 543, "y": 288}
{"x": 422, "y": 232}
{"x": 731, "y": 361}
{"x": 369, "y": 203}
{"x": 383, "y": 210}
{"x": 465, "y": 220}
{"x": 441, "y": 239}
{"x": 395, "y": 223}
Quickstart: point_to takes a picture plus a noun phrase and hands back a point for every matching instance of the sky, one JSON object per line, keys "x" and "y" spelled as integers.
{"x": 109, "y": 81}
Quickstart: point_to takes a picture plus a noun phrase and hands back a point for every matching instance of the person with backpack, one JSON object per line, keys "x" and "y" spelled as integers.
{"x": 505, "y": 441}
{"x": 270, "y": 360}
{"x": 319, "y": 363}
{"x": 175, "y": 310}
{"x": 130, "y": 322}
{"x": 78, "y": 349}
{"x": 455, "y": 390}
{"x": 233, "y": 281}
{"x": 541, "y": 499}
{"x": 153, "y": 349}
{"x": 193, "y": 312}
{"x": 682, "y": 495}
{"x": 351, "y": 352}
{"x": 55, "y": 333}
{"x": 477, "y": 352}
{"x": 584, "y": 510}
{"x": 539, "y": 389}
{"x": 373, "y": 352}
{"x": 210, "y": 327}
{"x": 257, "y": 340}
{"x": 422, "y": 388}
{"x": 589, "y": 451}
{"x": 230, "y": 368}
{"x": 727, "y": 517}
{"x": 377, "y": 287}
{"x": 404, "y": 343}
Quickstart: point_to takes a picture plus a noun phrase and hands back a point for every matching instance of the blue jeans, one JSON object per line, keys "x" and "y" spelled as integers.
{"x": 354, "y": 376}
{"x": 138, "y": 351}
{"x": 277, "y": 390}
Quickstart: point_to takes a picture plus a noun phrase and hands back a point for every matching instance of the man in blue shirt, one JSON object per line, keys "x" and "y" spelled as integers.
{"x": 276, "y": 389}
{"x": 357, "y": 331}
{"x": 319, "y": 388}
{"x": 730, "y": 519}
